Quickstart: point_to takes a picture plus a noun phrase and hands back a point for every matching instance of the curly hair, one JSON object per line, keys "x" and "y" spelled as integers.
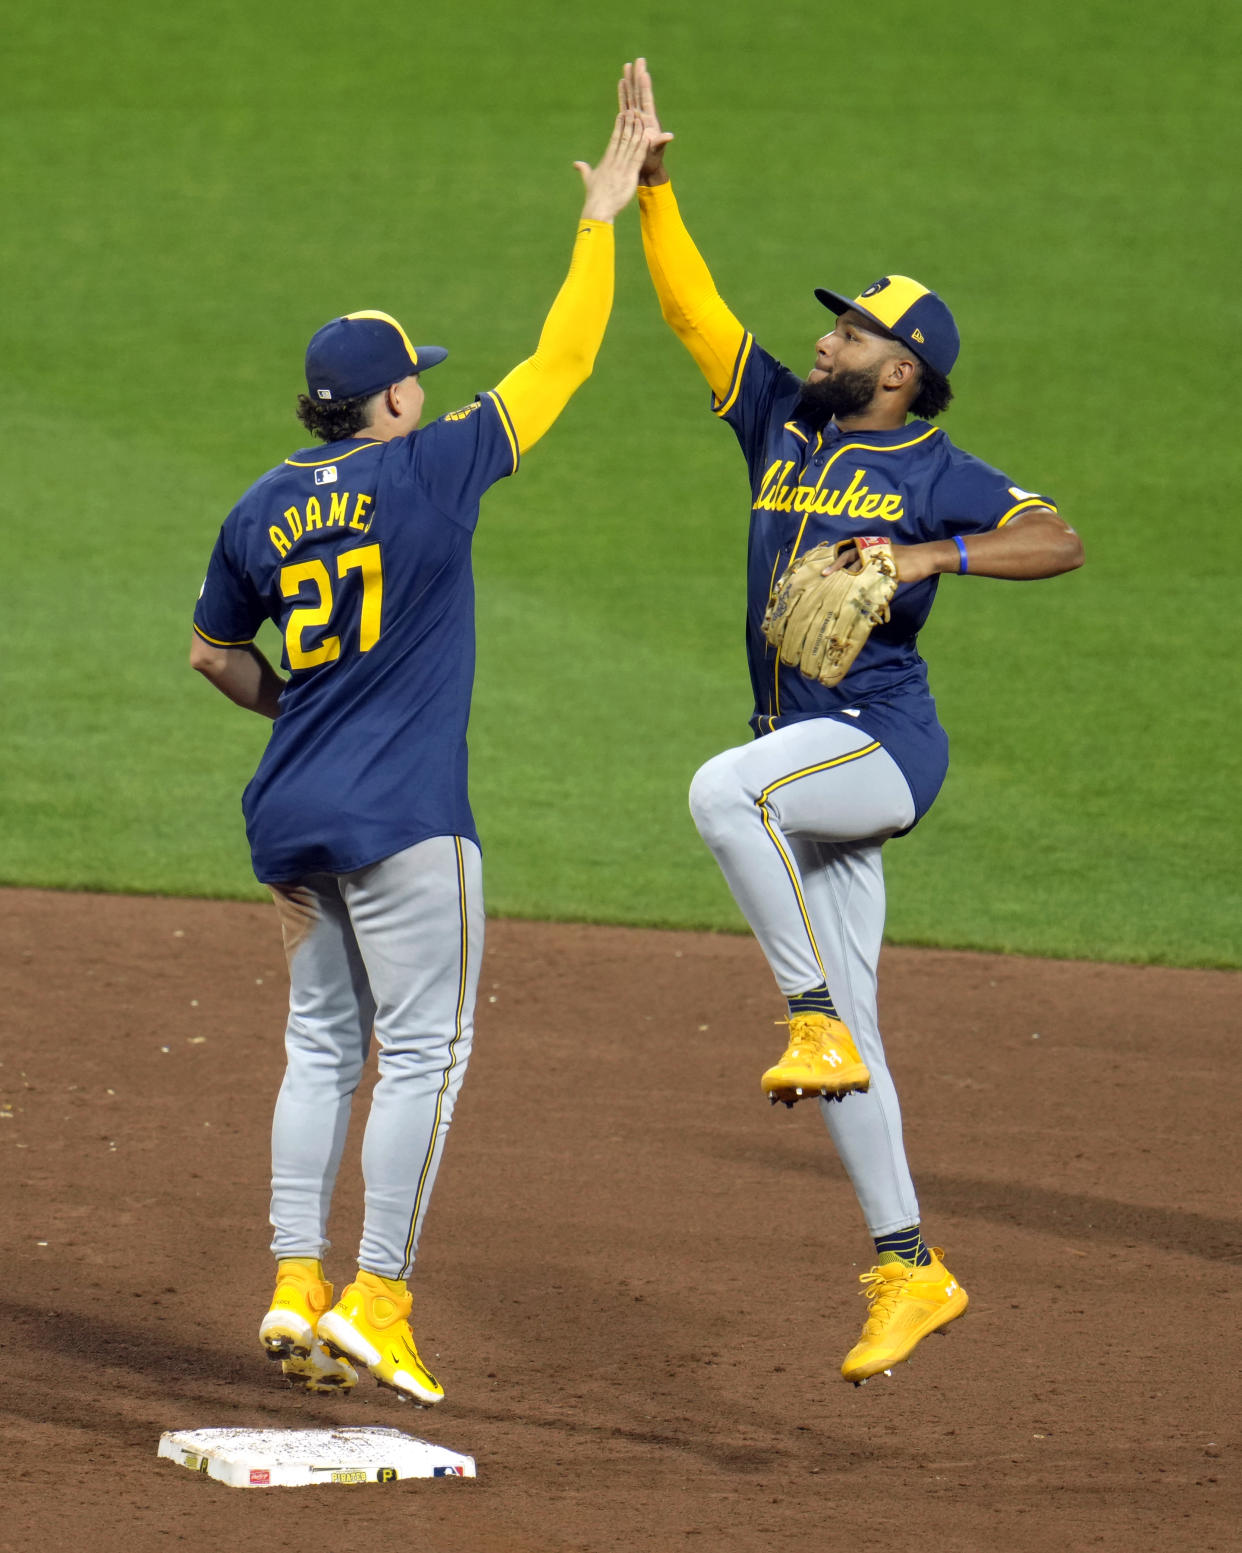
{"x": 934, "y": 393}
{"x": 332, "y": 420}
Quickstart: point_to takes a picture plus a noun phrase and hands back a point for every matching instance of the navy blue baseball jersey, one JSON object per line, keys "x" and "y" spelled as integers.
{"x": 360, "y": 553}
{"x": 813, "y": 487}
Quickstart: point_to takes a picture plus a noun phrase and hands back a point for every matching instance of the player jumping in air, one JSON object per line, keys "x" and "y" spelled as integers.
{"x": 358, "y": 815}
{"x": 797, "y": 819}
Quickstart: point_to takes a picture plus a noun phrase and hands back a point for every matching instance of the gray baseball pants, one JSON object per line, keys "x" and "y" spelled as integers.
{"x": 395, "y": 947}
{"x": 796, "y": 821}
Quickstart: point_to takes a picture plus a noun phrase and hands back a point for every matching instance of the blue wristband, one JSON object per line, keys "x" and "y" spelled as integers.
{"x": 961, "y": 555}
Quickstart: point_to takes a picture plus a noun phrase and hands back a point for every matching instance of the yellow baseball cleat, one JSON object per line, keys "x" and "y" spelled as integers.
{"x": 821, "y": 1059}
{"x": 288, "y": 1332}
{"x": 369, "y": 1325}
{"x": 907, "y": 1304}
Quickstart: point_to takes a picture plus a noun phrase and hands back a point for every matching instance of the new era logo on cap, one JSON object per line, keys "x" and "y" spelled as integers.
{"x": 908, "y": 310}
{"x": 362, "y": 353}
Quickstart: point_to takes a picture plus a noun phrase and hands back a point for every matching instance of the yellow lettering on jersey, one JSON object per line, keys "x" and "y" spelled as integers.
{"x": 292, "y": 580}
{"x": 839, "y": 501}
{"x": 770, "y": 485}
{"x": 339, "y": 510}
{"x": 857, "y": 495}
{"x": 366, "y": 559}
{"x": 776, "y": 494}
{"x": 314, "y": 514}
{"x": 280, "y": 539}
{"x": 315, "y": 614}
{"x": 360, "y": 509}
{"x": 294, "y": 518}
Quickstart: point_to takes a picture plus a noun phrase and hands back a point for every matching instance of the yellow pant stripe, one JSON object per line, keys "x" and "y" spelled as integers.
{"x": 793, "y": 879}
{"x": 448, "y": 1071}
{"x": 761, "y": 803}
{"x": 824, "y": 765}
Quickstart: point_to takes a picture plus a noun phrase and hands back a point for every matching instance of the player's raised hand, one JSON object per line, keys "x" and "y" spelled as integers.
{"x": 610, "y": 185}
{"x": 634, "y": 90}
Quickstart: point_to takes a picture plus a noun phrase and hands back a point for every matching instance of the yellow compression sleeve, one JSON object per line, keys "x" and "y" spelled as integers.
{"x": 539, "y": 388}
{"x": 692, "y": 307}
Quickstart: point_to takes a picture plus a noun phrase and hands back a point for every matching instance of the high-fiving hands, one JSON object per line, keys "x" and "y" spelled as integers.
{"x": 635, "y": 94}
{"x": 611, "y": 183}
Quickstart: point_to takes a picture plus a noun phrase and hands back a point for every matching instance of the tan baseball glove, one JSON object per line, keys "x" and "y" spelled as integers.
{"x": 821, "y": 623}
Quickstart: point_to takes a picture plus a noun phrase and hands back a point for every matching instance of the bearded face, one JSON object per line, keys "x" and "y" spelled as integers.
{"x": 843, "y": 393}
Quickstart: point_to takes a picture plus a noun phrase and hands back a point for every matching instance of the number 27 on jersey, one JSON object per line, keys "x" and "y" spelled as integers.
{"x": 294, "y": 579}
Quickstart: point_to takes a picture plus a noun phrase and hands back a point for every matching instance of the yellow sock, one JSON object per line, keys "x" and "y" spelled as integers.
{"x": 311, "y": 1264}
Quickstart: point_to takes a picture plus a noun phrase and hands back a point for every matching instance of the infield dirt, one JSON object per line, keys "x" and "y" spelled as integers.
{"x": 637, "y": 1281}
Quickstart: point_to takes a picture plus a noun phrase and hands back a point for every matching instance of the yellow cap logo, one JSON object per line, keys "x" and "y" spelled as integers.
{"x": 917, "y": 334}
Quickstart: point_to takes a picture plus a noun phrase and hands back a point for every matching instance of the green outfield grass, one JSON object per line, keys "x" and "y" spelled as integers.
{"x": 189, "y": 193}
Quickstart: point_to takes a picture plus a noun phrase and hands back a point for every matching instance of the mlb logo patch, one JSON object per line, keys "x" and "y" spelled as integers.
{"x": 449, "y": 1472}
{"x": 326, "y": 476}
{"x": 324, "y": 393}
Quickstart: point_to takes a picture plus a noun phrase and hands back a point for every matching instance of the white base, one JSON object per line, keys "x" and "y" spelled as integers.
{"x": 294, "y": 1458}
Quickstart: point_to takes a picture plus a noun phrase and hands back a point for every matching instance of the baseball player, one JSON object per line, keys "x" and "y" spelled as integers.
{"x": 358, "y": 815}
{"x": 797, "y": 819}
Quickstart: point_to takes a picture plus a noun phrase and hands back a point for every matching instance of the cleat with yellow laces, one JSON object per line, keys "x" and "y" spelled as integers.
{"x": 820, "y": 1060}
{"x": 288, "y": 1332}
{"x": 907, "y": 1305}
{"x": 369, "y": 1324}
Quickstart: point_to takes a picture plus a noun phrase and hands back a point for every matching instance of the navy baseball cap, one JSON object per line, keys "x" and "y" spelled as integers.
{"x": 915, "y": 315}
{"x": 361, "y": 353}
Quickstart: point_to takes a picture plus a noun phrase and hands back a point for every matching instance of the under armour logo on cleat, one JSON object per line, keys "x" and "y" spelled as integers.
{"x": 834, "y": 1058}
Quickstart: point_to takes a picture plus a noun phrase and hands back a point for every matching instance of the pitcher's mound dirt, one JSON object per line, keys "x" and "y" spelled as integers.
{"x": 637, "y": 1280}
